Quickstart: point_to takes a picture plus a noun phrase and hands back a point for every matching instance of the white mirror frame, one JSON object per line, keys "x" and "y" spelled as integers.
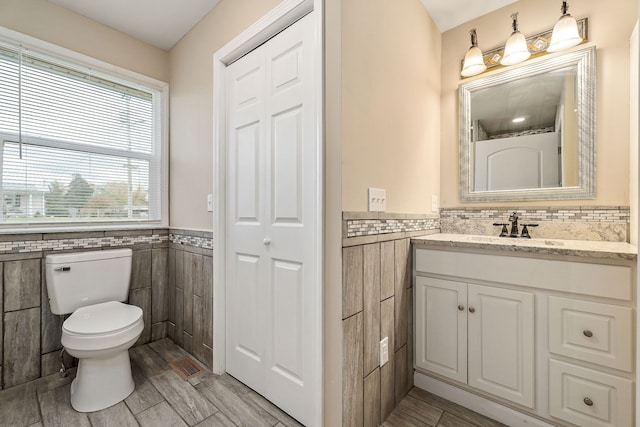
{"x": 584, "y": 59}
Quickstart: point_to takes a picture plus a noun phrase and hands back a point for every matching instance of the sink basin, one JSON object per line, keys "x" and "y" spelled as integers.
{"x": 553, "y": 242}
{"x": 511, "y": 241}
{"x": 485, "y": 239}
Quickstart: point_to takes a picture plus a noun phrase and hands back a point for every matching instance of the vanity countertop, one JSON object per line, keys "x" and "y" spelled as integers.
{"x": 583, "y": 248}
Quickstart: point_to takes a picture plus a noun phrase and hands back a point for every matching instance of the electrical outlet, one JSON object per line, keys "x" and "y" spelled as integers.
{"x": 210, "y": 203}
{"x": 377, "y": 200}
{"x": 384, "y": 351}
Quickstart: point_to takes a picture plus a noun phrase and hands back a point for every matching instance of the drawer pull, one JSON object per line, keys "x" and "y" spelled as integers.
{"x": 588, "y": 401}
{"x": 472, "y": 310}
{"x": 587, "y": 333}
{"x": 461, "y": 307}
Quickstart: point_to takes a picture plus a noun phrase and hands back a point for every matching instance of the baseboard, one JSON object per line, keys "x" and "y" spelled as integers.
{"x": 477, "y": 403}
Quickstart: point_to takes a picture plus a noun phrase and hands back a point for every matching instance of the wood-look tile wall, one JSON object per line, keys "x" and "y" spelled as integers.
{"x": 30, "y": 333}
{"x": 190, "y": 294}
{"x": 377, "y": 303}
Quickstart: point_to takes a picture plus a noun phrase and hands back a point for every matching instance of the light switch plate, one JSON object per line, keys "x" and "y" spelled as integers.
{"x": 210, "y": 203}
{"x": 384, "y": 351}
{"x": 377, "y": 200}
{"x": 435, "y": 203}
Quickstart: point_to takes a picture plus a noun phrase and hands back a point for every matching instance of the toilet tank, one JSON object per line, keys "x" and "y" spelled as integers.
{"x": 79, "y": 279}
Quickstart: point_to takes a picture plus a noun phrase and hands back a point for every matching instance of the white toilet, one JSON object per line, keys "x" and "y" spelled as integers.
{"x": 92, "y": 286}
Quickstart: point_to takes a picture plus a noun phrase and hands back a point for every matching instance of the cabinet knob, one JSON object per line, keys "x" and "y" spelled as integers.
{"x": 472, "y": 310}
{"x": 588, "y": 401}
{"x": 461, "y": 307}
{"x": 587, "y": 333}
{"x": 266, "y": 241}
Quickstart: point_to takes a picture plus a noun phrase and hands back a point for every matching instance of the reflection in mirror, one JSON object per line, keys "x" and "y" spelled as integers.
{"x": 528, "y": 133}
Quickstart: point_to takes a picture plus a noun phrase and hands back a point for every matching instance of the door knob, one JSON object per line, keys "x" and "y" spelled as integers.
{"x": 266, "y": 241}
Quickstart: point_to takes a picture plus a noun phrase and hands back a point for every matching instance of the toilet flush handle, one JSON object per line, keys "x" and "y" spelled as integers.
{"x": 62, "y": 269}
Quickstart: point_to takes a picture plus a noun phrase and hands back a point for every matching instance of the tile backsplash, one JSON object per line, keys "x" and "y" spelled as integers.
{"x": 368, "y": 227}
{"x": 607, "y": 223}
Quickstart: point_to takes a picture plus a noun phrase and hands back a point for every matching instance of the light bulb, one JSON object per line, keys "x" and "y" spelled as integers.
{"x": 473, "y": 60}
{"x": 565, "y": 32}
{"x": 516, "y": 49}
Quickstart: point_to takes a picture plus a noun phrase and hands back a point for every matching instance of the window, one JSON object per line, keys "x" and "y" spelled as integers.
{"x": 76, "y": 145}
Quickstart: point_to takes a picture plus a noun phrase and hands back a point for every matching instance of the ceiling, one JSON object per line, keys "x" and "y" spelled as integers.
{"x": 162, "y": 23}
{"x": 448, "y": 14}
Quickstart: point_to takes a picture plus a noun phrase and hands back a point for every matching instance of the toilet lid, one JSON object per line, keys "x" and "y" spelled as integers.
{"x": 109, "y": 316}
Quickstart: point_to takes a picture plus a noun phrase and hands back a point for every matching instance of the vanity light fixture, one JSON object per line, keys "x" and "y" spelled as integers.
{"x": 565, "y": 32}
{"x": 473, "y": 60}
{"x": 516, "y": 49}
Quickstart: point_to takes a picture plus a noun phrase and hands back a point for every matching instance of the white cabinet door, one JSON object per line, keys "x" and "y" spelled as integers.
{"x": 441, "y": 327}
{"x": 501, "y": 343}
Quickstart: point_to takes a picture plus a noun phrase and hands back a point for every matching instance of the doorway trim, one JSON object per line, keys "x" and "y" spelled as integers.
{"x": 279, "y": 18}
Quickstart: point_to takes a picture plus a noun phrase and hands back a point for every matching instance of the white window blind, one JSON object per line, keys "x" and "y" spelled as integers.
{"x": 75, "y": 146}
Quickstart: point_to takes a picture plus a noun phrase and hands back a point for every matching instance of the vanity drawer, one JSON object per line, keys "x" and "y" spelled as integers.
{"x": 593, "y": 332}
{"x": 589, "y": 398}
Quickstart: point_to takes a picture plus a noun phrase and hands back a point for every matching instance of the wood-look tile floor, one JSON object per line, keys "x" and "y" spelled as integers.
{"x": 423, "y": 409}
{"x": 163, "y": 399}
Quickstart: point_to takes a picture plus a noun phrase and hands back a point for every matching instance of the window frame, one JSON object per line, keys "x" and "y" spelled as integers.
{"x": 99, "y": 68}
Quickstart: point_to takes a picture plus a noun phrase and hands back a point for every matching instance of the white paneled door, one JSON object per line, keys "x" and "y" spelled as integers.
{"x": 272, "y": 204}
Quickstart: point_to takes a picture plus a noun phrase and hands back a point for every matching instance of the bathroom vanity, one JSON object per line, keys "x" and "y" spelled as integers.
{"x": 526, "y": 330}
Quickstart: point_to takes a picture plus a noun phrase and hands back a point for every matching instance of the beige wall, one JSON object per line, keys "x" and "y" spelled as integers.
{"x": 332, "y": 321}
{"x": 390, "y": 104}
{"x": 54, "y": 24}
{"x": 191, "y": 106}
{"x": 610, "y": 26}
{"x": 633, "y": 133}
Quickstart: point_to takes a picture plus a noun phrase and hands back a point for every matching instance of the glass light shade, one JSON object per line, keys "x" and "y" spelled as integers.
{"x": 565, "y": 34}
{"x": 515, "y": 50}
{"x": 473, "y": 62}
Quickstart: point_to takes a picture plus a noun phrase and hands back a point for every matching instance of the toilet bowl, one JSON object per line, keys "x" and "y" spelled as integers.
{"x": 101, "y": 328}
{"x": 100, "y": 336}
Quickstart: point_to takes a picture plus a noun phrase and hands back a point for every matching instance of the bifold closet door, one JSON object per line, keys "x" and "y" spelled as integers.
{"x": 272, "y": 203}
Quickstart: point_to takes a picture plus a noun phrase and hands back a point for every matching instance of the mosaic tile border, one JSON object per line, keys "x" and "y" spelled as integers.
{"x": 39, "y": 242}
{"x": 196, "y": 239}
{"x": 40, "y": 245}
{"x": 358, "y": 227}
{"x": 607, "y": 214}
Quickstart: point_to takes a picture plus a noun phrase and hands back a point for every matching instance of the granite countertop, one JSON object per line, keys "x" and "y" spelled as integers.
{"x": 583, "y": 248}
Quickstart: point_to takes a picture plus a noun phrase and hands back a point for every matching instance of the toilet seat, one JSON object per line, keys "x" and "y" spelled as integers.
{"x": 102, "y": 326}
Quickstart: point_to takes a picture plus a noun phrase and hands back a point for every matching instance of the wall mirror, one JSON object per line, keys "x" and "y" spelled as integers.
{"x": 528, "y": 132}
